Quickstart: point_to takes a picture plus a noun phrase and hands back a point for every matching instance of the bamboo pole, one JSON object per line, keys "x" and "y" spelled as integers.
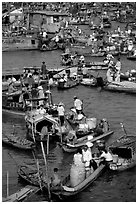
{"x": 37, "y": 164}
{"x": 7, "y": 183}
{"x": 46, "y": 168}
{"x": 48, "y": 144}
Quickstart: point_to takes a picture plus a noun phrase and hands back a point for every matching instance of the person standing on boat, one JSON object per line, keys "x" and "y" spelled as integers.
{"x": 118, "y": 65}
{"x": 44, "y": 70}
{"x": 118, "y": 69}
{"x": 61, "y": 113}
{"x": 78, "y": 105}
{"x": 78, "y": 158}
{"x": 87, "y": 157}
{"x": 41, "y": 95}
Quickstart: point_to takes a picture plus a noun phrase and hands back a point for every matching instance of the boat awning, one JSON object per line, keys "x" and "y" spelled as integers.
{"x": 38, "y": 118}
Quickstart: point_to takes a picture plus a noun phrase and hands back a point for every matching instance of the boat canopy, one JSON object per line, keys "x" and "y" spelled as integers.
{"x": 35, "y": 119}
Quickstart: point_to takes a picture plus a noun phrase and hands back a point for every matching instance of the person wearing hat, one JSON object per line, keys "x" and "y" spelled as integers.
{"x": 61, "y": 113}
{"x": 40, "y": 94}
{"x": 44, "y": 70}
{"x": 78, "y": 105}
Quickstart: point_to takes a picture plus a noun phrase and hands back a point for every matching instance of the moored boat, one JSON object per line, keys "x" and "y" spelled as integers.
{"x": 79, "y": 143}
{"x": 123, "y": 151}
{"x": 67, "y": 85}
{"x": 18, "y": 142}
{"x": 67, "y": 190}
{"x": 124, "y": 86}
{"x": 29, "y": 175}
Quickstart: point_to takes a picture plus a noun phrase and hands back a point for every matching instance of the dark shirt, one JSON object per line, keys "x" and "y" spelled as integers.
{"x": 43, "y": 69}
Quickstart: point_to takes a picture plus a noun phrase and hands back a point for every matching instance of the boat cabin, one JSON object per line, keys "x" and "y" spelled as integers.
{"x": 39, "y": 126}
{"x": 124, "y": 153}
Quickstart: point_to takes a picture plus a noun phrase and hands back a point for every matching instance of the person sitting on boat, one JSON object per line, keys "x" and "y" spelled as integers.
{"x": 71, "y": 137}
{"x": 61, "y": 113}
{"x": 78, "y": 105}
{"x": 55, "y": 180}
{"x": 40, "y": 94}
{"x": 44, "y": 132}
{"x": 106, "y": 157}
{"x": 11, "y": 88}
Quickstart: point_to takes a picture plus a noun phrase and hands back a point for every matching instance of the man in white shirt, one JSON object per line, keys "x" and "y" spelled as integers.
{"x": 106, "y": 157}
{"x": 78, "y": 104}
{"x": 61, "y": 113}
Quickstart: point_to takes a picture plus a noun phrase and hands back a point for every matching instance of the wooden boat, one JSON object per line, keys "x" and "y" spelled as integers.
{"x": 47, "y": 48}
{"x": 68, "y": 147}
{"x": 124, "y": 86}
{"x": 10, "y": 103}
{"x": 89, "y": 82}
{"x": 98, "y": 54}
{"x": 67, "y": 85}
{"x": 18, "y": 142}
{"x": 80, "y": 50}
{"x": 67, "y": 191}
{"x": 18, "y": 43}
{"x": 96, "y": 65}
{"x": 21, "y": 194}
{"x": 29, "y": 175}
{"x": 37, "y": 123}
{"x": 131, "y": 57}
{"x": 123, "y": 151}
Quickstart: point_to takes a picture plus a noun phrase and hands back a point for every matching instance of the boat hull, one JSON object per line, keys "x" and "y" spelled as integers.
{"x": 77, "y": 189}
{"x": 73, "y": 148}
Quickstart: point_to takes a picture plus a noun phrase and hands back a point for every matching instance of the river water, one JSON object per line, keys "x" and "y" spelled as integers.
{"x": 116, "y": 107}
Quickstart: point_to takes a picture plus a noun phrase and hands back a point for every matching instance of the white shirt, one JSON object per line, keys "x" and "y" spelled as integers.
{"x": 78, "y": 104}
{"x": 61, "y": 110}
{"x": 44, "y": 34}
{"x": 87, "y": 155}
{"x": 41, "y": 94}
{"x": 107, "y": 156}
{"x": 77, "y": 159}
{"x": 118, "y": 66}
{"x": 42, "y": 111}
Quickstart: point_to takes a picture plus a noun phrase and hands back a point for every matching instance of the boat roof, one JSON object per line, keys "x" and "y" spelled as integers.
{"x": 38, "y": 118}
